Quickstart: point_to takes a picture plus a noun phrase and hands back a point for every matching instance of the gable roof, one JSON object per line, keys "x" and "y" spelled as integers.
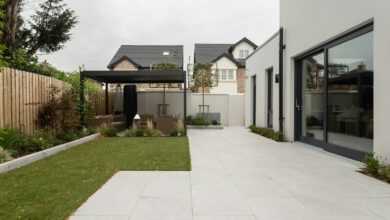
{"x": 206, "y": 53}
{"x": 229, "y": 57}
{"x": 243, "y": 40}
{"x": 122, "y": 59}
{"x": 146, "y": 55}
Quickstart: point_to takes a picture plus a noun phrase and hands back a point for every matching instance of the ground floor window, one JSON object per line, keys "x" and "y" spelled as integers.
{"x": 335, "y": 94}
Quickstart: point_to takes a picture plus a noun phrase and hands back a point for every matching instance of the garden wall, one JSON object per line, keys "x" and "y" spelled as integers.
{"x": 231, "y": 107}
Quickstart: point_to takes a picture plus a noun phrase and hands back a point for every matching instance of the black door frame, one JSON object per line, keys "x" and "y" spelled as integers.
{"x": 254, "y": 98}
{"x": 359, "y": 30}
{"x": 270, "y": 94}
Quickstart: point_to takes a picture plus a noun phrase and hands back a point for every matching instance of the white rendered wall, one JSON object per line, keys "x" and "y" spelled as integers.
{"x": 242, "y": 46}
{"x": 310, "y": 22}
{"x": 257, "y": 64}
{"x": 228, "y": 86}
{"x": 231, "y": 107}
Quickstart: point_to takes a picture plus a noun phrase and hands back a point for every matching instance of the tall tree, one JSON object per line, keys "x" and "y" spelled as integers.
{"x": 2, "y": 27}
{"x": 50, "y": 27}
{"x": 12, "y": 22}
{"x": 47, "y": 30}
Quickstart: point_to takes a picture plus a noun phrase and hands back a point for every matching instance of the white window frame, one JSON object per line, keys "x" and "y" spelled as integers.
{"x": 244, "y": 53}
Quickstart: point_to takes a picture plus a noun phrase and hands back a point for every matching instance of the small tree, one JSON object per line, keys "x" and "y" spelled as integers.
{"x": 203, "y": 78}
{"x": 164, "y": 66}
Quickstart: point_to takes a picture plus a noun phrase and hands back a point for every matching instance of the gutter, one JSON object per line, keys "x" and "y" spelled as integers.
{"x": 281, "y": 79}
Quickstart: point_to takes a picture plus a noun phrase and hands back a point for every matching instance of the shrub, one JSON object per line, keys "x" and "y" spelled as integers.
{"x": 372, "y": 164}
{"x": 189, "y": 119}
{"x": 143, "y": 133}
{"x": 214, "y": 122}
{"x": 387, "y": 173}
{"x": 152, "y": 133}
{"x": 70, "y": 136}
{"x": 4, "y": 155}
{"x": 108, "y": 131}
{"x": 178, "y": 132}
{"x": 278, "y": 136}
{"x": 200, "y": 121}
{"x": 10, "y": 138}
{"x": 268, "y": 133}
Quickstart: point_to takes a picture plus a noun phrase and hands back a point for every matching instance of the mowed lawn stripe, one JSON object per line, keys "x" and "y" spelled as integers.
{"x": 55, "y": 187}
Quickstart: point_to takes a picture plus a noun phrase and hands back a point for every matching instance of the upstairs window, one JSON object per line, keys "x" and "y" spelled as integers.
{"x": 244, "y": 54}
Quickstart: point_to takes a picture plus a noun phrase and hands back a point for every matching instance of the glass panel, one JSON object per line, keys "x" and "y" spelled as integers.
{"x": 231, "y": 75}
{"x": 313, "y": 97}
{"x": 350, "y": 89}
{"x": 223, "y": 74}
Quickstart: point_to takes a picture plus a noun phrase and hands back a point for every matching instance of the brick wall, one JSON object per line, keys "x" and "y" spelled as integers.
{"x": 241, "y": 80}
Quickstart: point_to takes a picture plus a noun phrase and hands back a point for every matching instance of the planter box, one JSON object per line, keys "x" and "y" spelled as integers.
{"x": 204, "y": 127}
{"x": 28, "y": 159}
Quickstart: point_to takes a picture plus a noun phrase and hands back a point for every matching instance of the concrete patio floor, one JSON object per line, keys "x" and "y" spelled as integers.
{"x": 238, "y": 175}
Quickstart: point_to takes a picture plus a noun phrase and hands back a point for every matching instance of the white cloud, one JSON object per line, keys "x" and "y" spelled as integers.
{"x": 105, "y": 25}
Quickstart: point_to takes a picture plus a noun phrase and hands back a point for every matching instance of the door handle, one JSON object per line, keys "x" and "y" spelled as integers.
{"x": 297, "y": 105}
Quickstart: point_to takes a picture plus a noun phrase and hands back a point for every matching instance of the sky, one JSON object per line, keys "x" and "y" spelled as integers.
{"x": 105, "y": 25}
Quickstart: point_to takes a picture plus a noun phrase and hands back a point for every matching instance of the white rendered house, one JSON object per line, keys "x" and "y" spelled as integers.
{"x": 228, "y": 64}
{"x": 323, "y": 77}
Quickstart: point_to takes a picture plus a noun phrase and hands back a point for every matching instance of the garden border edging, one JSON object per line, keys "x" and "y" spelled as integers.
{"x": 28, "y": 159}
{"x": 214, "y": 127}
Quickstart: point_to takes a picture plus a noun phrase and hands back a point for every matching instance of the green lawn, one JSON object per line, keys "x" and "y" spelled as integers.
{"x": 55, "y": 187}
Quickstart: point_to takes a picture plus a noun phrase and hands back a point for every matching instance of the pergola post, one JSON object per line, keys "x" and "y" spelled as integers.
{"x": 82, "y": 100}
{"x": 106, "y": 98}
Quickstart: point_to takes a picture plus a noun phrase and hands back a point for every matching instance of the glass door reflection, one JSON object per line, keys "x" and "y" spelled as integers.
{"x": 313, "y": 90}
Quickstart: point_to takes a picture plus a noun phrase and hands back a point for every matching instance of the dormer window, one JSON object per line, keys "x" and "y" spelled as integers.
{"x": 244, "y": 54}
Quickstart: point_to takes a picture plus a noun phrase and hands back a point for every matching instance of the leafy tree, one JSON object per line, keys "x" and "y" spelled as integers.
{"x": 47, "y": 31}
{"x": 165, "y": 66}
{"x": 49, "y": 28}
{"x": 2, "y": 27}
{"x": 204, "y": 79}
{"x": 12, "y": 22}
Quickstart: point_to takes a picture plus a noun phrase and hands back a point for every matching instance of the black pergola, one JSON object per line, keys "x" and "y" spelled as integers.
{"x": 131, "y": 77}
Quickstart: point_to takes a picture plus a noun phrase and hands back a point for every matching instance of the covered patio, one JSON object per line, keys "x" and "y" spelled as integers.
{"x": 159, "y": 114}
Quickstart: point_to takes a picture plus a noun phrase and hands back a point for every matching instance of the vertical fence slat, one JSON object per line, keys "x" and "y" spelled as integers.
{"x": 29, "y": 100}
{"x": 7, "y": 98}
{"x": 1, "y": 98}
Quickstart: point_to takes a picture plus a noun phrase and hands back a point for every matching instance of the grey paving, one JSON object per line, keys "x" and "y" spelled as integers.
{"x": 238, "y": 175}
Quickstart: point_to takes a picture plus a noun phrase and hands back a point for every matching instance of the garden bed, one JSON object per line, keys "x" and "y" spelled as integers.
{"x": 374, "y": 167}
{"x": 203, "y": 121}
{"x": 30, "y": 158}
{"x": 204, "y": 126}
{"x": 268, "y": 133}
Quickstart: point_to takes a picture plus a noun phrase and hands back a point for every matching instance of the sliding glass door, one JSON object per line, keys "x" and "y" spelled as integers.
{"x": 350, "y": 94}
{"x": 334, "y": 96}
{"x": 312, "y": 90}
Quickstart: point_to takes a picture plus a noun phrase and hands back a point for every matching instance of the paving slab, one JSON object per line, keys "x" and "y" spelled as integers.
{"x": 237, "y": 175}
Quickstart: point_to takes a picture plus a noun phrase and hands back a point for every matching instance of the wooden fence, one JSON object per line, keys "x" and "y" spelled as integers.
{"x": 98, "y": 102}
{"x": 21, "y": 95}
